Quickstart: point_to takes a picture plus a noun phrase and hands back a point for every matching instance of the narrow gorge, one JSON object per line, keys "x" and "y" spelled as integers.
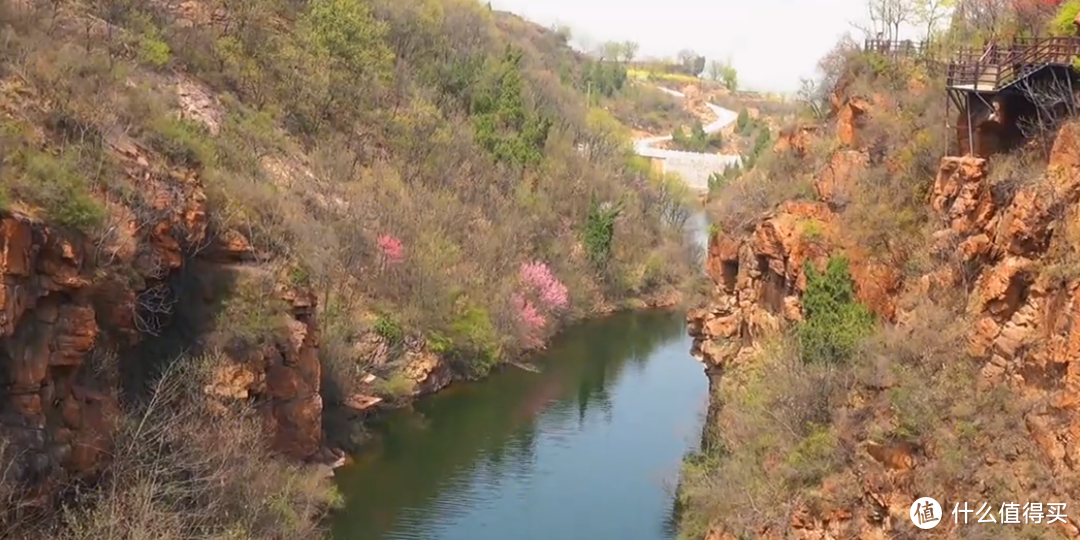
{"x": 427, "y": 270}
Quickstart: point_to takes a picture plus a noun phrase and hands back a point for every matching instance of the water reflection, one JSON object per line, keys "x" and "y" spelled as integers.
{"x": 570, "y": 453}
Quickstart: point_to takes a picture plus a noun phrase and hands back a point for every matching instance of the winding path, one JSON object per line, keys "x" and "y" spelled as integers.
{"x": 693, "y": 167}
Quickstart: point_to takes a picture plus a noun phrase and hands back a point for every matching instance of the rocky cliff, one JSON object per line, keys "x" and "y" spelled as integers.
{"x": 1006, "y": 245}
{"x": 75, "y": 308}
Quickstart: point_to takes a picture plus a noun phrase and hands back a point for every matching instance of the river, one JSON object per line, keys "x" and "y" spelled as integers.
{"x": 589, "y": 448}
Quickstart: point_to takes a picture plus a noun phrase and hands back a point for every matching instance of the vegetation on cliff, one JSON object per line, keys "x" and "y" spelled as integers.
{"x": 828, "y": 423}
{"x": 433, "y": 174}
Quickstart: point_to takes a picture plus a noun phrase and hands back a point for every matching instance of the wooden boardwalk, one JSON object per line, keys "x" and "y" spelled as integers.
{"x": 1001, "y": 65}
{"x": 979, "y": 82}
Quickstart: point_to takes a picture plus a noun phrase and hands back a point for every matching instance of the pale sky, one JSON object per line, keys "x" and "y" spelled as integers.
{"x": 772, "y": 43}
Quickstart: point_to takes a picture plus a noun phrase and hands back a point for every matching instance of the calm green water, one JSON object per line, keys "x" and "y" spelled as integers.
{"x": 588, "y": 449}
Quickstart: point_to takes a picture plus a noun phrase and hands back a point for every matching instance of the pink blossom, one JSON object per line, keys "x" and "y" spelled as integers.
{"x": 530, "y": 318}
{"x": 538, "y": 278}
{"x": 391, "y": 248}
{"x": 527, "y": 313}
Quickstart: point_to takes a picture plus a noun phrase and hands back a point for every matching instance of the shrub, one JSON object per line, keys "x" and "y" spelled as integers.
{"x": 58, "y": 184}
{"x": 743, "y": 120}
{"x": 773, "y": 441}
{"x": 600, "y": 230}
{"x": 697, "y": 140}
{"x": 388, "y": 329}
{"x": 183, "y": 141}
{"x": 476, "y": 339}
{"x": 153, "y": 50}
{"x": 396, "y": 387}
{"x": 834, "y": 322}
{"x": 251, "y": 312}
{"x": 813, "y": 230}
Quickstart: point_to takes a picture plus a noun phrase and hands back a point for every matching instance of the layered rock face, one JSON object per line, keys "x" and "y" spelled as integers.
{"x": 1020, "y": 250}
{"x": 63, "y": 304}
{"x": 1015, "y": 250}
{"x": 48, "y": 326}
{"x": 70, "y": 305}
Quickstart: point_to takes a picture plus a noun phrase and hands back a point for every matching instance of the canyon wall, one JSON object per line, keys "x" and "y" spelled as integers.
{"x": 73, "y": 311}
{"x": 1012, "y": 250}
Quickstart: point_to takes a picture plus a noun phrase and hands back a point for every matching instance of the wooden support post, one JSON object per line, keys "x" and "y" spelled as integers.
{"x": 947, "y": 134}
{"x": 971, "y": 128}
{"x": 1072, "y": 95}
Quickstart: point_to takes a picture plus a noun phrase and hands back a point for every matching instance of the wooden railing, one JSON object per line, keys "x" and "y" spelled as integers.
{"x": 895, "y": 48}
{"x": 1002, "y": 64}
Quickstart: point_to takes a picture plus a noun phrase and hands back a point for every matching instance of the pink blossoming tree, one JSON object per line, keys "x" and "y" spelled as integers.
{"x": 540, "y": 296}
{"x": 391, "y": 249}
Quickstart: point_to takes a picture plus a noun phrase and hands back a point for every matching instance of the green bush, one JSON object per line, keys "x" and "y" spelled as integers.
{"x": 600, "y": 230}
{"x": 388, "y": 329}
{"x": 1062, "y": 23}
{"x": 58, "y": 185}
{"x": 251, "y": 313}
{"x": 834, "y": 322}
{"x": 181, "y": 140}
{"x": 813, "y": 457}
{"x": 474, "y": 331}
{"x": 743, "y": 120}
{"x": 697, "y": 140}
{"x": 153, "y": 50}
{"x": 396, "y": 387}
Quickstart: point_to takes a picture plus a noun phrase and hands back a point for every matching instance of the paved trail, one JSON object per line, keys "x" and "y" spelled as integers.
{"x": 694, "y": 167}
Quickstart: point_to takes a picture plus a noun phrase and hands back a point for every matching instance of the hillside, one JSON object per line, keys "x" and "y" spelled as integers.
{"x": 221, "y": 219}
{"x": 889, "y": 322}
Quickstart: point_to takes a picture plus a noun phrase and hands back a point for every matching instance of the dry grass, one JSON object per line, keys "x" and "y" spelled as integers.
{"x": 182, "y": 467}
{"x": 775, "y": 443}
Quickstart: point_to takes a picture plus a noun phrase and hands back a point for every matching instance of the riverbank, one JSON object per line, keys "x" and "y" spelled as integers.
{"x": 346, "y": 424}
{"x": 383, "y": 454}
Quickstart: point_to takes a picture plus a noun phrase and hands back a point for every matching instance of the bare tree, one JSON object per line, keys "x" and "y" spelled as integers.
{"x": 885, "y": 17}
{"x": 985, "y": 16}
{"x": 814, "y": 93}
{"x": 1053, "y": 100}
{"x": 932, "y": 12}
{"x": 810, "y": 96}
{"x": 630, "y": 50}
{"x": 611, "y": 50}
{"x": 1032, "y": 15}
{"x": 564, "y": 31}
